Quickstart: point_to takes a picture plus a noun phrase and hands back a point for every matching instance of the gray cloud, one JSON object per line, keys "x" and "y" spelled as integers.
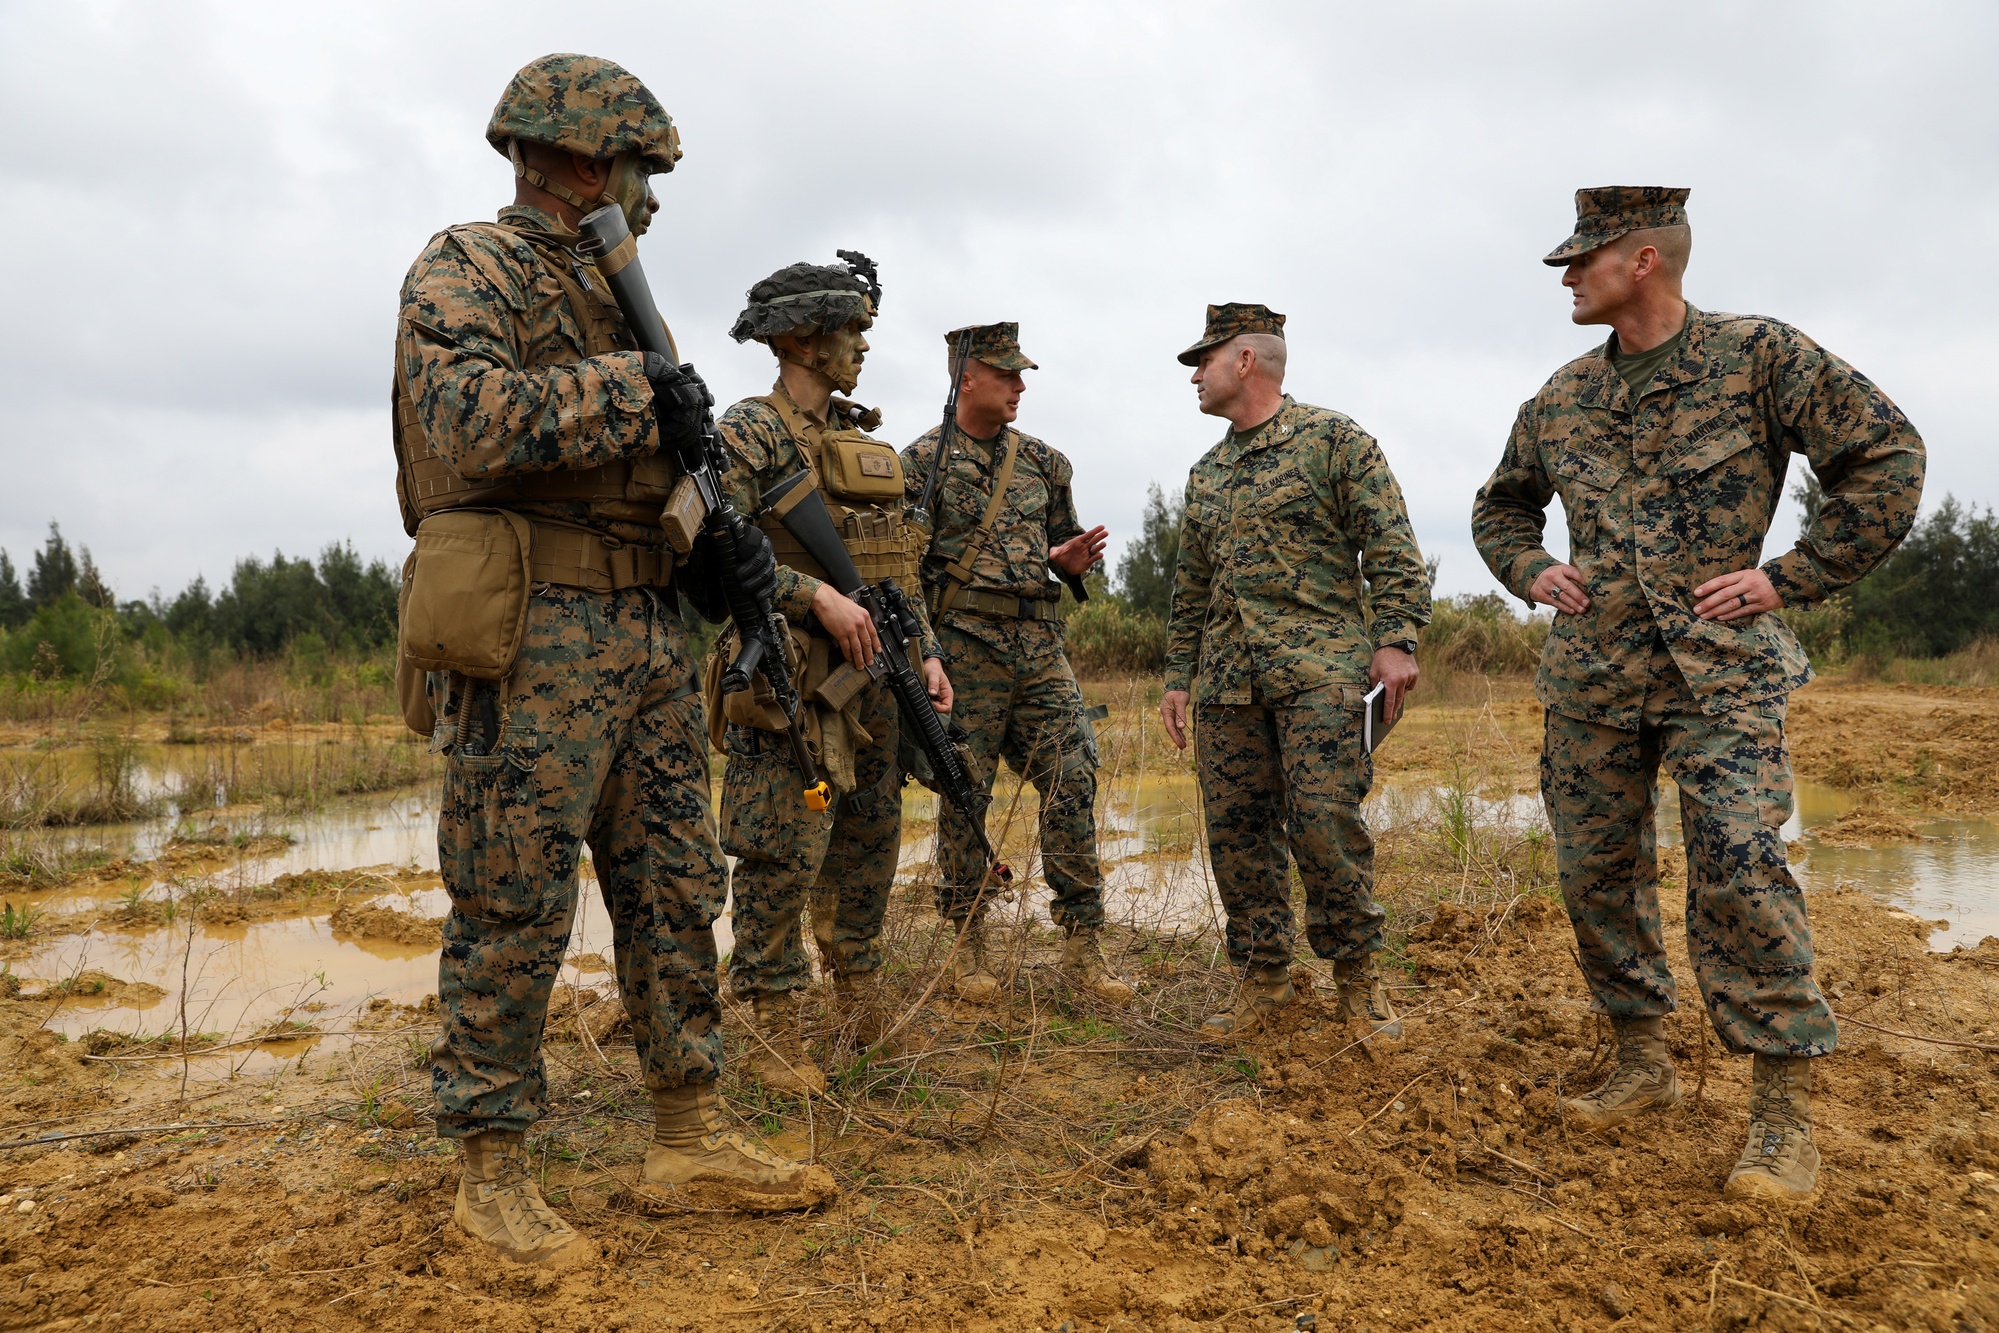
{"x": 209, "y": 209}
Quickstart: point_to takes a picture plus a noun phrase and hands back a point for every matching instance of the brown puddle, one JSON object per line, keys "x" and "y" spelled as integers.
{"x": 323, "y": 960}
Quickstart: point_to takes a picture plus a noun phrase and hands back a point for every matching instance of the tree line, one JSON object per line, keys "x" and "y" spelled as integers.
{"x": 62, "y": 620}
{"x": 1937, "y": 593}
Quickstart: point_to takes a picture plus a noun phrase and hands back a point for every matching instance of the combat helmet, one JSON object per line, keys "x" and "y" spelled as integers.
{"x": 811, "y": 298}
{"x": 585, "y": 105}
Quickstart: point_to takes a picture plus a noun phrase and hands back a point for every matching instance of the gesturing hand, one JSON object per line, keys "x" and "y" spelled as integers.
{"x": 1737, "y": 596}
{"x": 1076, "y": 555}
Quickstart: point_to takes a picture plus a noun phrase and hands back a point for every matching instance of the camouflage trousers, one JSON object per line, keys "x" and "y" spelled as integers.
{"x": 597, "y": 737}
{"x": 1290, "y": 777}
{"x": 841, "y": 859}
{"x": 1027, "y": 710}
{"x": 1747, "y": 934}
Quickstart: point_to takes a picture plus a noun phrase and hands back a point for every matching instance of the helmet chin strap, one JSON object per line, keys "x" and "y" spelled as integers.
{"x": 541, "y": 182}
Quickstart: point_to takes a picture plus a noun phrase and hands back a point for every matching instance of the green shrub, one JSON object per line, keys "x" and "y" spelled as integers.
{"x": 1480, "y": 634}
{"x": 1107, "y": 637}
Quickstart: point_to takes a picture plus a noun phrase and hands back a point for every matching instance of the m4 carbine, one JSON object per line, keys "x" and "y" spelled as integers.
{"x": 797, "y": 504}
{"x": 760, "y": 630}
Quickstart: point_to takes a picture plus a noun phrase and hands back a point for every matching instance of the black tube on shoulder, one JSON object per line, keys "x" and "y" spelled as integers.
{"x": 811, "y": 526}
{"x": 608, "y": 242}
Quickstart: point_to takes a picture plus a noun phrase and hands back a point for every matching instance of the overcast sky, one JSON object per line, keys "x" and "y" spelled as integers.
{"x": 208, "y": 210}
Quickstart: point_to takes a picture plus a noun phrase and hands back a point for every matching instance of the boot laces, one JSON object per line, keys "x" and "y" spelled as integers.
{"x": 1632, "y": 1069}
{"x": 513, "y": 1188}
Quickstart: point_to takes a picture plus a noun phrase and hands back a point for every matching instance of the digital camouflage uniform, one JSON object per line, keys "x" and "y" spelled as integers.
{"x": 516, "y": 389}
{"x": 843, "y": 858}
{"x": 1016, "y": 697}
{"x": 1274, "y": 635}
{"x": 1665, "y": 489}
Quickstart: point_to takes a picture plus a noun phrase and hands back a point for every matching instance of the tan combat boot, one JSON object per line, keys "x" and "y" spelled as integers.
{"x": 971, "y": 979}
{"x": 1780, "y": 1163}
{"x": 689, "y": 1144}
{"x": 1364, "y": 1002}
{"x": 1642, "y": 1081}
{"x": 777, "y": 1054}
{"x": 499, "y": 1203}
{"x": 862, "y": 1012}
{"x": 1264, "y": 991}
{"x": 1083, "y": 963}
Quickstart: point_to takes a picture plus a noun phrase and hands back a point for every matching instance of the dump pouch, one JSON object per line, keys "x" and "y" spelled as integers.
{"x": 412, "y": 681}
{"x": 464, "y": 606}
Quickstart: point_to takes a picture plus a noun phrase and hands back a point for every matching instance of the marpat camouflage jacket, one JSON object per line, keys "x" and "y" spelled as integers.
{"x": 1277, "y": 536}
{"x": 494, "y": 360}
{"x": 1678, "y": 487}
{"x": 1039, "y": 513}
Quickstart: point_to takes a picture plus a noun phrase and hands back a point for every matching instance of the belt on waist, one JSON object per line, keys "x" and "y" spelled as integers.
{"x": 578, "y": 558}
{"x": 998, "y": 606}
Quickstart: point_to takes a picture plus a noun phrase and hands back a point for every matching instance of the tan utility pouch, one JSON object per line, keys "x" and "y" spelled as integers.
{"x": 465, "y": 603}
{"x": 412, "y": 681}
{"x": 754, "y": 707}
{"x": 860, "y": 468}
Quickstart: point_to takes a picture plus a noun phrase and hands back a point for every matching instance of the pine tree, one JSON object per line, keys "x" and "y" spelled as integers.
{"x": 14, "y": 605}
{"x": 1145, "y": 570}
{"x": 54, "y": 574}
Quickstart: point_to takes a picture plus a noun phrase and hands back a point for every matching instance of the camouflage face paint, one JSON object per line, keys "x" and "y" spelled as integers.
{"x": 631, "y": 188}
{"x": 840, "y": 355}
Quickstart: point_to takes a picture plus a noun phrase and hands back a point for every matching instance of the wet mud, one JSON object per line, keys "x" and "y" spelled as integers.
{"x": 1047, "y": 1163}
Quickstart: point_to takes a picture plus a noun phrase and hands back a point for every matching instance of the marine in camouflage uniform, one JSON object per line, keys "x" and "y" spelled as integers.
{"x": 518, "y": 389}
{"x": 988, "y": 580}
{"x": 843, "y": 859}
{"x": 1275, "y": 639}
{"x": 1666, "y": 652}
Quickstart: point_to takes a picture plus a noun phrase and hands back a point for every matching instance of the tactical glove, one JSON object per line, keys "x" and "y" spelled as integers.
{"x": 756, "y": 563}
{"x": 680, "y": 399}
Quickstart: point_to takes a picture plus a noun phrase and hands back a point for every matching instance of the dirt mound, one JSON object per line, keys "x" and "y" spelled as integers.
{"x": 93, "y": 988}
{"x": 372, "y": 922}
{"x": 1867, "y": 826}
{"x": 1935, "y": 747}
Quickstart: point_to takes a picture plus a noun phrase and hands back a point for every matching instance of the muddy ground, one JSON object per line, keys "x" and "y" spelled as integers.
{"x": 1053, "y": 1164}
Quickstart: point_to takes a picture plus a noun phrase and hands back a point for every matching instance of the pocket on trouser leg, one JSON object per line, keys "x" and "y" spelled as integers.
{"x": 489, "y": 836}
{"x": 1774, "y": 795}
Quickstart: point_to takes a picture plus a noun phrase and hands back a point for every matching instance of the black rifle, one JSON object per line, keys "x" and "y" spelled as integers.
{"x": 920, "y": 515}
{"x": 760, "y": 630}
{"x": 804, "y": 515}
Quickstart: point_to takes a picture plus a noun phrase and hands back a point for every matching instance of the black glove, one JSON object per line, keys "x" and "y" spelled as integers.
{"x": 756, "y": 563}
{"x": 680, "y": 399}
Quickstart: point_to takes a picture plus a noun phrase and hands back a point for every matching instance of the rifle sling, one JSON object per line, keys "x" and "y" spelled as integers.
{"x": 959, "y": 572}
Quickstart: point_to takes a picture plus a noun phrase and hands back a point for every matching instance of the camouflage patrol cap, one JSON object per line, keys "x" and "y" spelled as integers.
{"x": 1611, "y": 211}
{"x": 998, "y": 345}
{"x": 587, "y": 106}
{"x": 809, "y": 298}
{"x": 1227, "y": 320}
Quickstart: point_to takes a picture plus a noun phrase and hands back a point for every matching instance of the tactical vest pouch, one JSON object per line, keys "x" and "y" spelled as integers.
{"x": 859, "y": 468}
{"x": 465, "y": 602}
{"x": 412, "y": 681}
